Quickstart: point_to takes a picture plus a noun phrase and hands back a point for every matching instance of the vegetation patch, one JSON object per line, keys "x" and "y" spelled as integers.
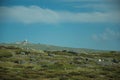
{"x": 22, "y": 64}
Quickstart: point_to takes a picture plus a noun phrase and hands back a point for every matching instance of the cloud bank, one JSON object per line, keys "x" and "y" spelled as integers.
{"x": 36, "y": 14}
{"x": 107, "y": 35}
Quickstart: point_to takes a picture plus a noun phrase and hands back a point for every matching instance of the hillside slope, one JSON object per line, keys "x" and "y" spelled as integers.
{"x": 51, "y": 47}
{"x": 22, "y": 64}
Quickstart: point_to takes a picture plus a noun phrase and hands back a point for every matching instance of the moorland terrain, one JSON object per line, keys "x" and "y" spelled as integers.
{"x": 25, "y": 62}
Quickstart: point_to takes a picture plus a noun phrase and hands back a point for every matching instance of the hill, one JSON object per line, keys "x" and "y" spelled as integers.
{"x": 27, "y": 45}
{"x": 23, "y": 64}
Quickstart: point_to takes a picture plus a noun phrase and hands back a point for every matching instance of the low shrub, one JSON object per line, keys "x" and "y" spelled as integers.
{"x": 5, "y": 54}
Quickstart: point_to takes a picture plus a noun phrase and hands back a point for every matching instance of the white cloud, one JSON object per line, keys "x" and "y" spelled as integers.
{"x": 35, "y": 14}
{"x": 108, "y": 7}
{"x": 108, "y": 34}
{"x": 32, "y": 14}
{"x": 101, "y": 7}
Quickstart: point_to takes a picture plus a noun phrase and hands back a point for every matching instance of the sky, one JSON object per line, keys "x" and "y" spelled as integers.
{"x": 93, "y": 24}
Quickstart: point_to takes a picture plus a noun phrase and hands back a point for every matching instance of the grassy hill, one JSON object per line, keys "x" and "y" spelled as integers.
{"x": 51, "y": 47}
{"x": 23, "y": 64}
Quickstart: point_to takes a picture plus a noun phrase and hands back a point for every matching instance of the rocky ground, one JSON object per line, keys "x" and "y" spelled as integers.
{"x": 22, "y": 64}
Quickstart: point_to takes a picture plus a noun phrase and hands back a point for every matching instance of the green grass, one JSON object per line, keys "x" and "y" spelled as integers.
{"x": 57, "y": 65}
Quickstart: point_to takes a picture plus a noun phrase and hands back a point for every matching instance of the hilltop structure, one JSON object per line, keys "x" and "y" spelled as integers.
{"x": 23, "y": 42}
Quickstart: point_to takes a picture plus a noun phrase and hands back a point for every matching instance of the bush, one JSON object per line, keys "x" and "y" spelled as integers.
{"x": 6, "y": 54}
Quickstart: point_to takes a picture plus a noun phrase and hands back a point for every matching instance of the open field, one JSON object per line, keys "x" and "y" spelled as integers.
{"x": 23, "y": 64}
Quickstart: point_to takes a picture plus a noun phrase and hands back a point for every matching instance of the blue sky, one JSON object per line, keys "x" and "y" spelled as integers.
{"x": 93, "y": 24}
